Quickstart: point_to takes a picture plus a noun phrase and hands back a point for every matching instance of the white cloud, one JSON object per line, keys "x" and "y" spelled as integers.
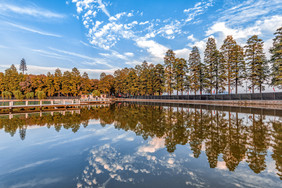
{"x": 250, "y": 10}
{"x": 30, "y": 11}
{"x": 144, "y": 23}
{"x": 197, "y": 10}
{"x": 103, "y": 7}
{"x": 221, "y": 165}
{"x": 107, "y": 34}
{"x": 154, "y": 145}
{"x": 182, "y": 53}
{"x": 191, "y": 38}
{"x": 264, "y": 28}
{"x": 50, "y": 54}
{"x": 90, "y": 60}
{"x": 117, "y": 16}
{"x": 34, "y": 164}
{"x": 36, "y": 182}
{"x": 130, "y": 14}
{"x": 114, "y": 54}
{"x": 33, "y": 30}
{"x": 170, "y": 31}
{"x": 73, "y": 54}
{"x": 82, "y": 5}
{"x": 129, "y": 54}
{"x": 153, "y": 48}
{"x": 133, "y": 63}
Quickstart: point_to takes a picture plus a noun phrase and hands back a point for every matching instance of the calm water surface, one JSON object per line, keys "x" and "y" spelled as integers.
{"x": 134, "y": 145}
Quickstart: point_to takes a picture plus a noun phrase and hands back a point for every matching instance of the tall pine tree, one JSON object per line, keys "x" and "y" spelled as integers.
{"x": 227, "y": 50}
{"x": 195, "y": 70}
{"x": 180, "y": 68}
{"x": 159, "y": 80}
{"x": 257, "y": 68}
{"x": 238, "y": 67}
{"x": 23, "y": 65}
{"x": 276, "y": 59}
{"x": 169, "y": 62}
{"x": 219, "y": 70}
{"x": 210, "y": 60}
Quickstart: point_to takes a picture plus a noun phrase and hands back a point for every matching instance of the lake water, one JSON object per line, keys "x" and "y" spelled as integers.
{"x": 142, "y": 145}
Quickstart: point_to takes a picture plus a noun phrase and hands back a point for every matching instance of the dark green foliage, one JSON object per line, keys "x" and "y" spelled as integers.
{"x": 276, "y": 59}
{"x": 195, "y": 77}
{"x": 169, "y": 64}
{"x": 257, "y": 70}
{"x": 23, "y": 65}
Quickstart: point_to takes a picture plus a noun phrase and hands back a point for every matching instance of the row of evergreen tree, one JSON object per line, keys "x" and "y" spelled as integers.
{"x": 220, "y": 70}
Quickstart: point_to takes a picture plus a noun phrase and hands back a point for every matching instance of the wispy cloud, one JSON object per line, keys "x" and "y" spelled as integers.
{"x": 51, "y": 54}
{"x": 91, "y": 60}
{"x": 106, "y": 34}
{"x": 250, "y": 10}
{"x": 197, "y": 10}
{"x": 263, "y": 27}
{"x": 103, "y": 8}
{"x": 33, "y": 30}
{"x": 73, "y": 54}
{"x": 37, "y": 163}
{"x": 36, "y": 182}
{"x": 30, "y": 11}
{"x": 86, "y": 4}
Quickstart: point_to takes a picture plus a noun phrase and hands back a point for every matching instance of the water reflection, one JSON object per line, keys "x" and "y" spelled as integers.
{"x": 234, "y": 135}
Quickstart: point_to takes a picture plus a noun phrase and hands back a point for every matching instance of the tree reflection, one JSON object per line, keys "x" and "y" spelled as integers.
{"x": 258, "y": 143}
{"x": 233, "y": 135}
{"x": 235, "y": 148}
{"x": 277, "y": 145}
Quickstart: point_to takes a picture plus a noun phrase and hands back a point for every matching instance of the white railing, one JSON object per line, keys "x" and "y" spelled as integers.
{"x": 95, "y": 99}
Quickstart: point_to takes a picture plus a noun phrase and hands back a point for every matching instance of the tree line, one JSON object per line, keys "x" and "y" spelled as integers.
{"x": 220, "y": 70}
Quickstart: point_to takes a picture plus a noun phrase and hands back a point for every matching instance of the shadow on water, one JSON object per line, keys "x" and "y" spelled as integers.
{"x": 238, "y": 134}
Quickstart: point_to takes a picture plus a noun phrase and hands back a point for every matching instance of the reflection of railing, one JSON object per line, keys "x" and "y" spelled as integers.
{"x": 26, "y": 115}
{"x": 38, "y": 103}
{"x": 246, "y": 96}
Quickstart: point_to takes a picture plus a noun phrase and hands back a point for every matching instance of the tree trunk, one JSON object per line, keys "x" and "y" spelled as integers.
{"x": 229, "y": 86}
{"x": 236, "y": 86}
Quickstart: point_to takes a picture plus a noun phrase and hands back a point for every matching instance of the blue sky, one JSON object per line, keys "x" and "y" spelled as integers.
{"x": 104, "y": 35}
